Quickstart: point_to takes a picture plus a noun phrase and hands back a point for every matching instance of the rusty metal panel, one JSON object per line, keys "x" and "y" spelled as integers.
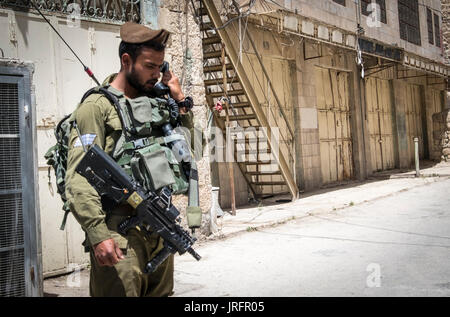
{"x": 334, "y": 125}
{"x": 372, "y": 107}
{"x": 278, "y": 71}
{"x": 414, "y": 120}
{"x": 434, "y": 105}
{"x": 379, "y": 105}
{"x": 386, "y": 120}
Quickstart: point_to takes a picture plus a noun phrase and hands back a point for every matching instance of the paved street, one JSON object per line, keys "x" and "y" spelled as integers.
{"x": 394, "y": 246}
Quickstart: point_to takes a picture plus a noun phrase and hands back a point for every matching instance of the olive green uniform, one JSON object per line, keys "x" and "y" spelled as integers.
{"x": 97, "y": 118}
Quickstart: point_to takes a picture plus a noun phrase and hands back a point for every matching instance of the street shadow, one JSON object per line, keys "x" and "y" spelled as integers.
{"x": 277, "y": 199}
{"x": 403, "y": 173}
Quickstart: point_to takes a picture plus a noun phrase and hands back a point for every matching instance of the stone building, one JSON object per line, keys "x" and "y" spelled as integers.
{"x": 348, "y": 84}
{"x": 442, "y": 121}
{"x": 446, "y": 28}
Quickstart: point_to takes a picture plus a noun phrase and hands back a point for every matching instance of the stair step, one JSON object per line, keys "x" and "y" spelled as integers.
{"x": 257, "y": 163}
{"x": 237, "y": 92}
{"x": 242, "y": 117}
{"x": 202, "y": 11}
{"x": 263, "y": 173}
{"x": 206, "y": 26}
{"x": 214, "y": 54}
{"x": 238, "y": 118}
{"x": 253, "y": 140}
{"x": 216, "y": 68}
{"x": 267, "y": 183}
{"x": 217, "y": 81}
{"x": 254, "y": 152}
{"x": 240, "y": 105}
{"x": 211, "y": 40}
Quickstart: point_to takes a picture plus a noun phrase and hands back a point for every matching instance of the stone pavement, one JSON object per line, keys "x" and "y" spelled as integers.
{"x": 380, "y": 185}
{"x": 270, "y": 212}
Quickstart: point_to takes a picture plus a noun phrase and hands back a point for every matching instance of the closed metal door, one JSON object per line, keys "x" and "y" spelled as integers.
{"x": 414, "y": 121}
{"x": 435, "y": 105}
{"x": 334, "y": 125}
{"x": 278, "y": 72}
{"x": 379, "y": 109}
{"x": 19, "y": 224}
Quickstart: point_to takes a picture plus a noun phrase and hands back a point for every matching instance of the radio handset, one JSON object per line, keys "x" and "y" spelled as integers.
{"x": 179, "y": 147}
{"x": 160, "y": 90}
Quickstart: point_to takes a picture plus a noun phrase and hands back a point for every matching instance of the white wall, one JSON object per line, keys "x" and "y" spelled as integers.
{"x": 59, "y": 82}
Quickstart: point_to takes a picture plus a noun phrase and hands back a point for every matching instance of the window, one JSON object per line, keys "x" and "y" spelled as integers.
{"x": 341, "y": 2}
{"x": 408, "y": 17}
{"x": 437, "y": 30}
{"x": 430, "y": 26}
{"x": 382, "y": 5}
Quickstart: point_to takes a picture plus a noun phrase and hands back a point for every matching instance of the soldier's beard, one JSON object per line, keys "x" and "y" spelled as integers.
{"x": 133, "y": 80}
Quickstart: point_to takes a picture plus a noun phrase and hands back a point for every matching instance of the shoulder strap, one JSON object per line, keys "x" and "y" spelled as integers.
{"x": 113, "y": 100}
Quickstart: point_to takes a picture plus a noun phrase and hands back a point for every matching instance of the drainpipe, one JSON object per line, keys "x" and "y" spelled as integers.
{"x": 150, "y": 13}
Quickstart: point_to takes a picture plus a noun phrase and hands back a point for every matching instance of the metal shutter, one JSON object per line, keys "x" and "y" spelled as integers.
{"x": 12, "y": 275}
{"x": 19, "y": 219}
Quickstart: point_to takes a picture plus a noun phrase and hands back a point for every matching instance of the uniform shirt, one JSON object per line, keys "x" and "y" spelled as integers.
{"x": 98, "y": 123}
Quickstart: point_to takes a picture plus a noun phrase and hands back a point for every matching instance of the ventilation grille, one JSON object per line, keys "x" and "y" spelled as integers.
{"x": 12, "y": 258}
{"x": 9, "y": 110}
{"x": 10, "y": 172}
{"x": 11, "y": 221}
{"x": 12, "y": 275}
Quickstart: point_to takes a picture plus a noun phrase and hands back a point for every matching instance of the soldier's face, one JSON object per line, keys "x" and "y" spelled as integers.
{"x": 144, "y": 73}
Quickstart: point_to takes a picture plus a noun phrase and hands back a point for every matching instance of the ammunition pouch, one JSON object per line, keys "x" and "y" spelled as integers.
{"x": 145, "y": 157}
{"x": 194, "y": 216}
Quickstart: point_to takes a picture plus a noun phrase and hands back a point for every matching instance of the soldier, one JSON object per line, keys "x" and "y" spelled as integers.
{"x": 116, "y": 260}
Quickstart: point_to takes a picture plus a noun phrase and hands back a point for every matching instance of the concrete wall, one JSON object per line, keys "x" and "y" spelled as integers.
{"x": 306, "y": 55}
{"x": 345, "y": 17}
{"x": 446, "y": 28}
{"x": 343, "y": 60}
{"x": 308, "y": 132}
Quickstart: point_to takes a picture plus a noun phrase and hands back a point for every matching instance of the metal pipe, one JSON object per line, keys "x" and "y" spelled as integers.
{"x": 416, "y": 154}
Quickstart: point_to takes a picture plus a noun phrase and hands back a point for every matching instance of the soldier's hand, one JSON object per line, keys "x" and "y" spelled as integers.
{"x": 108, "y": 253}
{"x": 172, "y": 81}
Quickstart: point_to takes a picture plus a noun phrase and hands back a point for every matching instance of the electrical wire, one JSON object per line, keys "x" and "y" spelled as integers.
{"x": 86, "y": 69}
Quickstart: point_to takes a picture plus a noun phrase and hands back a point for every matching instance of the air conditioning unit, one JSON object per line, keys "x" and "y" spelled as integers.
{"x": 20, "y": 246}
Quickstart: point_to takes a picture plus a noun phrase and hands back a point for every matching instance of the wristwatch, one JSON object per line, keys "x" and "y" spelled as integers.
{"x": 187, "y": 102}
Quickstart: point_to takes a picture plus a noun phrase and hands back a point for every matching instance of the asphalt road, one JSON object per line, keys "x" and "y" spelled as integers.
{"x": 395, "y": 246}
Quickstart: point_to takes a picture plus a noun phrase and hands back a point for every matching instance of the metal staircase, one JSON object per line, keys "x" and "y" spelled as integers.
{"x": 226, "y": 80}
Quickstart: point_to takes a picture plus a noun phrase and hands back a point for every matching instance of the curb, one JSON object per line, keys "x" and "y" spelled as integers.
{"x": 254, "y": 227}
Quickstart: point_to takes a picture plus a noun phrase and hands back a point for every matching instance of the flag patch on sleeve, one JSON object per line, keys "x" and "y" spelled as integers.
{"x": 86, "y": 139}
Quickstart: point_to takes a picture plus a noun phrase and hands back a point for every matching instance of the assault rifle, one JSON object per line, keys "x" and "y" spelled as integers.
{"x": 152, "y": 209}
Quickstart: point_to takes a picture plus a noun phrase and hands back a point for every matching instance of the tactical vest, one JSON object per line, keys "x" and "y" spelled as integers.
{"x": 148, "y": 155}
{"x": 143, "y": 151}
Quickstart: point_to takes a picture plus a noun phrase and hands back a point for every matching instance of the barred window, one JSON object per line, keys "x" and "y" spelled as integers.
{"x": 103, "y": 10}
{"x": 437, "y": 30}
{"x": 430, "y": 26}
{"x": 408, "y": 17}
{"x": 341, "y": 2}
{"x": 380, "y": 3}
